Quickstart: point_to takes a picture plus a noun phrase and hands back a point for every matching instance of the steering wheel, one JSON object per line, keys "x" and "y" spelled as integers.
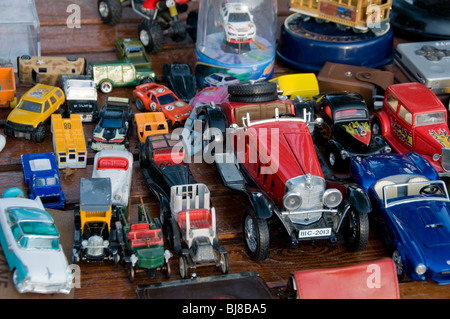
{"x": 429, "y": 189}
{"x": 165, "y": 163}
{"x": 285, "y": 114}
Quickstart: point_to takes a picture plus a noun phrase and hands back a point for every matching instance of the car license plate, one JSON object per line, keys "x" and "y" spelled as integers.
{"x": 317, "y": 232}
{"x": 106, "y": 146}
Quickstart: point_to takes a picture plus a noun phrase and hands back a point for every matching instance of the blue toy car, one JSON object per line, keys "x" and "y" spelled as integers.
{"x": 412, "y": 208}
{"x": 42, "y": 177}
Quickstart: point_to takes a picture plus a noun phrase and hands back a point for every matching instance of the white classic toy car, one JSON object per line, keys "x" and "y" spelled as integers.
{"x": 118, "y": 166}
{"x": 237, "y": 23}
{"x": 32, "y": 248}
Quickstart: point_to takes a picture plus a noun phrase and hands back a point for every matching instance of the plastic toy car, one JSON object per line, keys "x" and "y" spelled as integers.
{"x": 150, "y": 123}
{"x": 114, "y": 125}
{"x": 219, "y": 79}
{"x": 159, "y": 98}
{"x": 7, "y": 87}
{"x": 304, "y": 85}
{"x": 117, "y": 165}
{"x": 273, "y": 161}
{"x": 31, "y": 244}
{"x": 41, "y": 174}
{"x": 145, "y": 244}
{"x": 36, "y": 106}
{"x": 237, "y": 22}
{"x": 192, "y": 229}
{"x": 181, "y": 80}
{"x": 413, "y": 118}
{"x": 346, "y": 130}
{"x": 96, "y": 236}
{"x": 81, "y": 96}
{"x": 412, "y": 206}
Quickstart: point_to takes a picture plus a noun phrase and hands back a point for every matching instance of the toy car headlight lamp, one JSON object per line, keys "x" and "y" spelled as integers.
{"x": 105, "y": 243}
{"x": 332, "y": 197}
{"x": 117, "y": 197}
{"x": 387, "y": 149}
{"x": 292, "y": 201}
{"x": 436, "y": 157}
{"x": 84, "y": 243}
{"x": 421, "y": 269}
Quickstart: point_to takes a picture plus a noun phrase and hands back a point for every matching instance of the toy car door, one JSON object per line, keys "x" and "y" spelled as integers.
{"x": 401, "y": 121}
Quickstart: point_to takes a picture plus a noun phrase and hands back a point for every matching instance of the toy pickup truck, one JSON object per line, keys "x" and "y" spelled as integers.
{"x": 42, "y": 177}
{"x": 7, "y": 87}
{"x": 150, "y": 123}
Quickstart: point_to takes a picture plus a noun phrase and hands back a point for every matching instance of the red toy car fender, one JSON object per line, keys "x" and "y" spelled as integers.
{"x": 371, "y": 280}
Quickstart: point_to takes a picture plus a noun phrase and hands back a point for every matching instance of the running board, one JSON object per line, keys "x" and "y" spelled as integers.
{"x": 229, "y": 170}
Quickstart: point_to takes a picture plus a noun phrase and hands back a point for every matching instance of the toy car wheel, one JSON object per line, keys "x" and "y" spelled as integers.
{"x": 399, "y": 266}
{"x": 140, "y": 105}
{"x": 256, "y": 235}
{"x": 356, "y": 230}
{"x": 116, "y": 259}
{"x": 334, "y": 158}
{"x": 183, "y": 267}
{"x": 377, "y": 129}
{"x": 223, "y": 259}
{"x": 8, "y": 131}
{"x": 110, "y": 11}
{"x": 38, "y": 134}
{"x": 131, "y": 272}
{"x": 166, "y": 269}
{"x": 253, "y": 88}
{"x": 106, "y": 87}
{"x": 173, "y": 235}
{"x": 151, "y": 35}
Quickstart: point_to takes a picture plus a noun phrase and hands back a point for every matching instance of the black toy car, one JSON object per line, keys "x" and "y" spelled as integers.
{"x": 181, "y": 80}
{"x": 114, "y": 125}
{"x": 346, "y": 129}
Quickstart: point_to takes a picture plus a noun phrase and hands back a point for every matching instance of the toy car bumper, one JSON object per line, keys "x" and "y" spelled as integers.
{"x": 18, "y": 130}
{"x": 98, "y": 146}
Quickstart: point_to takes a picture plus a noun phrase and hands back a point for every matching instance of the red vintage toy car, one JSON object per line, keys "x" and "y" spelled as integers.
{"x": 272, "y": 159}
{"x": 158, "y": 98}
{"x": 413, "y": 118}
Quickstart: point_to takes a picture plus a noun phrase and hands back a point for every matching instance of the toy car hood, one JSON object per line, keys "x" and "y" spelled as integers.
{"x": 431, "y": 139}
{"x": 357, "y": 133}
{"x": 216, "y": 94}
{"x": 22, "y": 116}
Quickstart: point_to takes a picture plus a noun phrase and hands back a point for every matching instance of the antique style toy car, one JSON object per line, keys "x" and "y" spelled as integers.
{"x": 150, "y": 123}
{"x": 145, "y": 244}
{"x": 346, "y": 130}
{"x": 7, "y": 87}
{"x": 114, "y": 125}
{"x": 96, "y": 236}
{"x": 220, "y": 79}
{"x": 117, "y": 165}
{"x": 156, "y": 97}
{"x": 161, "y": 18}
{"x": 29, "y": 117}
{"x": 237, "y": 22}
{"x": 181, "y": 80}
{"x": 412, "y": 206}
{"x": 272, "y": 159}
{"x": 414, "y": 119}
{"x": 81, "y": 96}
{"x": 192, "y": 229}
{"x": 41, "y": 174}
{"x": 31, "y": 244}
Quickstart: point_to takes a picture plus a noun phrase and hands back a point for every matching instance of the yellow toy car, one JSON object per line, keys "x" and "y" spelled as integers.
{"x": 29, "y": 117}
{"x": 150, "y": 123}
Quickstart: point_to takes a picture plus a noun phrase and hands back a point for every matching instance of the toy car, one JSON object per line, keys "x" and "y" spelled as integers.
{"x": 36, "y": 106}
{"x": 145, "y": 244}
{"x": 192, "y": 229}
{"x": 150, "y": 123}
{"x": 219, "y": 79}
{"x": 81, "y": 96}
{"x": 411, "y": 205}
{"x": 304, "y": 85}
{"x": 273, "y": 161}
{"x": 7, "y": 87}
{"x": 181, "y": 80}
{"x": 237, "y": 22}
{"x": 96, "y": 237}
{"x": 159, "y": 98}
{"x": 32, "y": 248}
{"x": 114, "y": 125}
{"x": 117, "y": 165}
{"x": 161, "y": 18}
{"x": 346, "y": 129}
{"x": 41, "y": 174}
{"x": 133, "y": 51}
{"x": 413, "y": 118}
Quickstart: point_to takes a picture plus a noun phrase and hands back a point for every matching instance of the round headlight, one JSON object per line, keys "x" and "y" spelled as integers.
{"x": 436, "y": 157}
{"x": 332, "y": 197}
{"x": 84, "y": 243}
{"x": 105, "y": 243}
{"x": 421, "y": 269}
{"x": 292, "y": 201}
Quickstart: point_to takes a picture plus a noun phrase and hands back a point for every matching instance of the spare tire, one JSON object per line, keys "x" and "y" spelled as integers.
{"x": 253, "y": 88}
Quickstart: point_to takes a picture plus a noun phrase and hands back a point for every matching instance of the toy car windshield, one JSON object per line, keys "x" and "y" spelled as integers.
{"x": 430, "y": 118}
{"x": 29, "y": 106}
{"x": 111, "y": 123}
{"x": 166, "y": 99}
{"x": 239, "y": 17}
{"x": 351, "y": 114}
{"x": 39, "y": 181}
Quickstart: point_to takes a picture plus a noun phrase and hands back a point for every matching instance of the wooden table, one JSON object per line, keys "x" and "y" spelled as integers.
{"x": 95, "y": 41}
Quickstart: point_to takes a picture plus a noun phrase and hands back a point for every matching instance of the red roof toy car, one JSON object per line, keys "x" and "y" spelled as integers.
{"x": 156, "y": 97}
{"x": 413, "y": 118}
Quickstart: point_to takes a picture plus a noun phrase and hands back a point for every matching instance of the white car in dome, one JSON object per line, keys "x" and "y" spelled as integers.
{"x": 237, "y": 23}
{"x": 31, "y": 245}
{"x": 118, "y": 166}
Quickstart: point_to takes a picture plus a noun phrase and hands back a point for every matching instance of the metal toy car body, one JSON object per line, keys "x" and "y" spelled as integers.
{"x": 181, "y": 80}
{"x": 133, "y": 51}
{"x": 114, "y": 125}
{"x": 273, "y": 161}
{"x": 117, "y": 165}
{"x": 41, "y": 174}
{"x": 220, "y": 79}
{"x": 81, "y": 96}
{"x": 35, "y": 108}
{"x": 159, "y": 98}
{"x": 31, "y": 244}
{"x": 150, "y": 123}
{"x": 411, "y": 205}
{"x": 96, "y": 236}
{"x": 346, "y": 130}
{"x": 237, "y": 22}
{"x": 413, "y": 118}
